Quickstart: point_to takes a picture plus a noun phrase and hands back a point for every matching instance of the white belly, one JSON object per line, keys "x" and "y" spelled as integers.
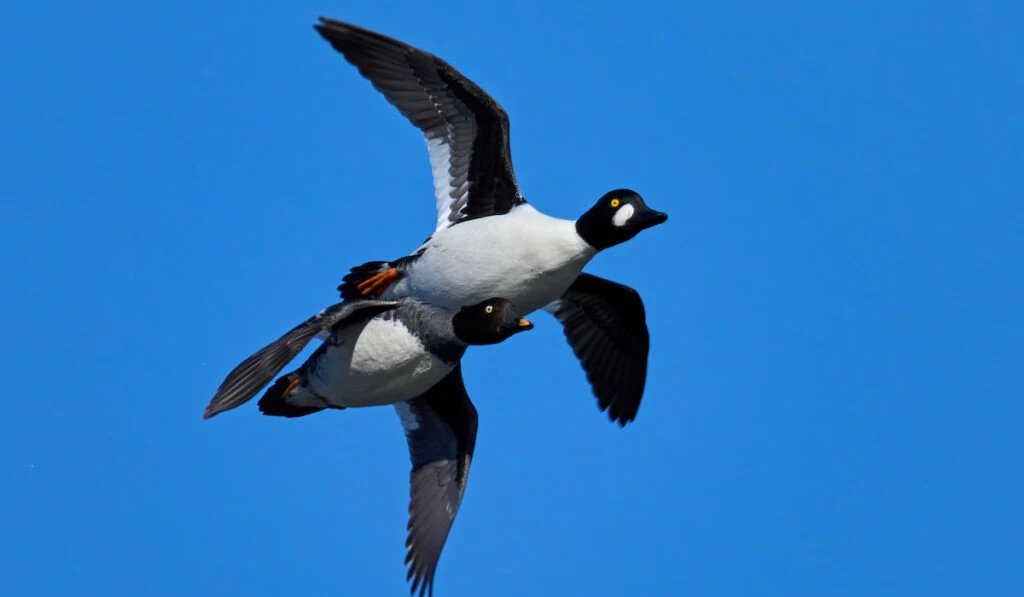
{"x": 376, "y": 363}
{"x": 524, "y": 256}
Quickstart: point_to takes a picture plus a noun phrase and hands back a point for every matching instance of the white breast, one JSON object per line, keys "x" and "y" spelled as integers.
{"x": 525, "y": 256}
{"x": 375, "y": 363}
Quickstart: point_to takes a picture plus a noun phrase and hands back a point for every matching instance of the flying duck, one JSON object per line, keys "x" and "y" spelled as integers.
{"x": 374, "y": 353}
{"x": 488, "y": 240}
{"x": 406, "y": 353}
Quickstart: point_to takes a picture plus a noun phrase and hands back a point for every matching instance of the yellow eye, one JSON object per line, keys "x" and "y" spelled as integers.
{"x": 489, "y": 309}
{"x": 615, "y": 203}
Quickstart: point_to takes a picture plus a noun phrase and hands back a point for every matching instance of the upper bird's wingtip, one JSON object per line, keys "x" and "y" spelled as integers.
{"x": 331, "y": 29}
{"x": 329, "y": 23}
{"x": 323, "y": 24}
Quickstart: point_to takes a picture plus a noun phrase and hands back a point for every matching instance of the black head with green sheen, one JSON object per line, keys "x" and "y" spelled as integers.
{"x": 488, "y": 322}
{"x": 616, "y": 217}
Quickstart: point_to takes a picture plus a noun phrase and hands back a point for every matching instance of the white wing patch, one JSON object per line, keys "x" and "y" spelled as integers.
{"x": 553, "y": 306}
{"x": 440, "y": 162}
{"x": 623, "y": 215}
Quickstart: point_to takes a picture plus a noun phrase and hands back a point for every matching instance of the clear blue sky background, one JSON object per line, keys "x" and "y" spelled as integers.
{"x": 834, "y": 399}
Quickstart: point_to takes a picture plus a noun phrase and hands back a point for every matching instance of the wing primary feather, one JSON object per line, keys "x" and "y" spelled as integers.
{"x": 605, "y": 324}
{"x": 246, "y": 379}
{"x": 440, "y": 428}
{"x": 467, "y": 131}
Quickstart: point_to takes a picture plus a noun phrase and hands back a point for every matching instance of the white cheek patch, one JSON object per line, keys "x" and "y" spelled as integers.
{"x": 623, "y": 215}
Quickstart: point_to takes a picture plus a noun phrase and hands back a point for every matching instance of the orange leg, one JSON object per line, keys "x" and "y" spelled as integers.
{"x": 377, "y": 284}
{"x": 295, "y": 382}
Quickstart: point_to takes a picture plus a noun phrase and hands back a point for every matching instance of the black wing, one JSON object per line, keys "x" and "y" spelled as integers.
{"x": 465, "y": 129}
{"x": 605, "y": 324}
{"x": 253, "y": 373}
{"x": 440, "y": 427}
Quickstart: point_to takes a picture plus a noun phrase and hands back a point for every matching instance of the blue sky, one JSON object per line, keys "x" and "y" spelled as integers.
{"x": 834, "y": 398}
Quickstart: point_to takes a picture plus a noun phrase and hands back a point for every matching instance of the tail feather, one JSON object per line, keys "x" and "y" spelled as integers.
{"x": 349, "y": 287}
{"x": 275, "y": 401}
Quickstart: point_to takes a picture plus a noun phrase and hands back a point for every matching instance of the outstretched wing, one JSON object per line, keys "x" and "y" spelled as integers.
{"x": 465, "y": 129}
{"x": 606, "y": 327}
{"x": 440, "y": 428}
{"x": 253, "y": 373}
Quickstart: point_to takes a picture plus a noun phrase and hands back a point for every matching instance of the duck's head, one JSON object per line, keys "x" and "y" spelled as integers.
{"x": 616, "y": 217}
{"x": 488, "y": 322}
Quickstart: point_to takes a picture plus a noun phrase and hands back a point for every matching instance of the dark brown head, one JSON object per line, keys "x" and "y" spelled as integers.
{"x": 488, "y": 322}
{"x": 616, "y": 217}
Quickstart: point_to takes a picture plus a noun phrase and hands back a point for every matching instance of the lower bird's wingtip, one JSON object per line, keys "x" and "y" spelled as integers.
{"x": 211, "y": 411}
